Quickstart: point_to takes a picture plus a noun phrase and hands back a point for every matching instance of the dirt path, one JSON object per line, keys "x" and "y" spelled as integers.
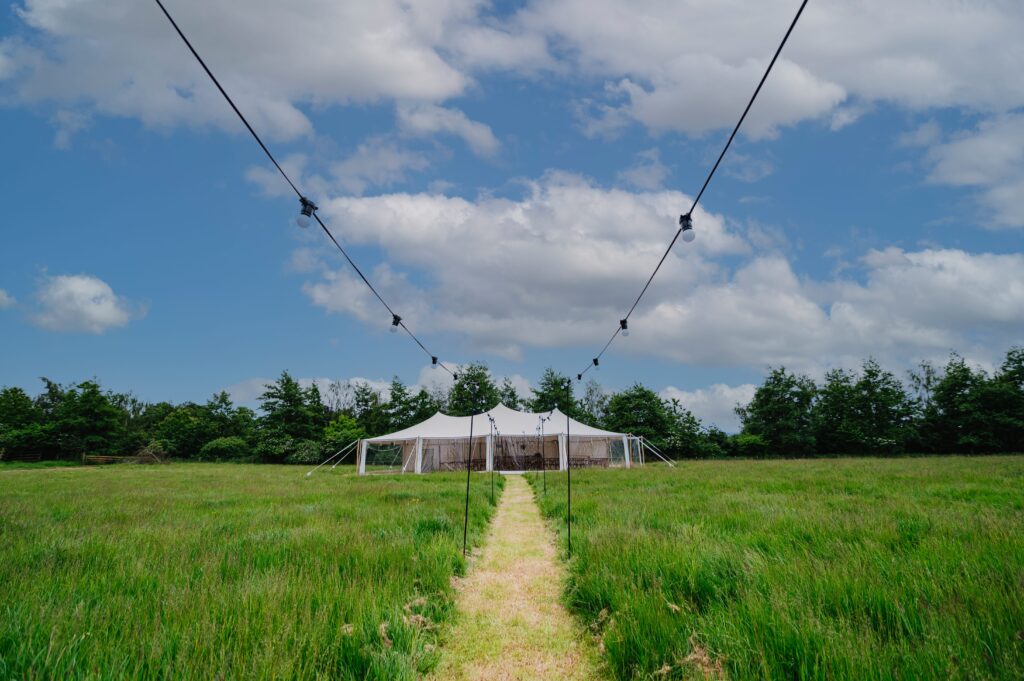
{"x": 511, "y": 622}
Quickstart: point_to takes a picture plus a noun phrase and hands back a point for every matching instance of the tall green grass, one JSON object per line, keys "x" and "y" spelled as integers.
{"x": 827, "y": 569}
{"x": 227, "y": 571}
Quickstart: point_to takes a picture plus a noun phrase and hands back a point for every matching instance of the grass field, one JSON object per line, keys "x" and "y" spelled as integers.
{"x": 827, "y": 569}
{"x": 227, "y": 571}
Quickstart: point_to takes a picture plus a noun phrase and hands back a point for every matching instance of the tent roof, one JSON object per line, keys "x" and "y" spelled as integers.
{"x": 508, "y": 422}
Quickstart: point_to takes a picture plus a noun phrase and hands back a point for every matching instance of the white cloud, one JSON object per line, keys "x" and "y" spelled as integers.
{"x": 714, "y": 405}
{"x": 691, "y": 66}
{"x": 430, "y": 119}
{"x": 6, "y": 300}
{"x": 926, "y": 134}
{"x": 68, "y": 123}
{"x": 686, "y": 67}
{"x": 543, "y": 270}
{"x": 81, "y": 303}
{"x": 671, "y": 102}
{"x": 648, "y": 172}
{"x": 746, "y": 168}
{"x": 558, "y": 267}
{"x": 338, "y": 53}
{"x": 990, "y": 158}
{"x": 377, "y": 162}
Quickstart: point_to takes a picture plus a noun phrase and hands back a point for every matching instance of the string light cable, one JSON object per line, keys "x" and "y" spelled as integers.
{"x": 686, "y": 219}
{"x": 308, "y": 209}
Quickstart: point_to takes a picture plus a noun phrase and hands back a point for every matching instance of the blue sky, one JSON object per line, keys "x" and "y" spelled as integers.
{"x": 508, "y": 175}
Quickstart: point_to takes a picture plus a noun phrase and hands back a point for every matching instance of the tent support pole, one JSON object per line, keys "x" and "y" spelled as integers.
{"x": 364, "y": 446}
{"x": 568, "y": 481}
{"x": 351, "y": 448}
{"x": 544, "y": 458}
{"x": 331, "y": 458}
{"x": 469, "y": 469}
{"x": 654, "y": 451}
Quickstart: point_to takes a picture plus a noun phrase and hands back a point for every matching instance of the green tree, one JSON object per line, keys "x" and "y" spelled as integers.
{"x": 226, "y": 449}
{"x": 836, "y": 426}
{"x": 17, "y": 409}
{"x": 780, "y": 413}
{"x": 639, "y": 411}
{"x": 474, "y": 391}
{"x": 186, "y": 429}
{"x": 317, "y": 409}
{"x": 1012, "y": 369}
{"x": 883, "y": 410}
{"x": 424, "y": 405}
{"x": 291, "y": 411}
{"x": 508, "y": 394}
{"x": 400, "y": 409}
{"x": 955, "y": 419}
{"x": 553, "y": 391}
{"x": 685, "y": 436}
{"x": 593, "y": 405}
{"x": 87, "y": 422}
{"x": 369, "y": 410}
{"x": 342, "y": 431}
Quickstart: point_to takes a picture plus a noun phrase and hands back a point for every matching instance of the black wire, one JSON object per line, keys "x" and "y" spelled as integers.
{"x": 711, "y": 174}
{"x": 228, "y": 97}
{"x": 287, "y": 179}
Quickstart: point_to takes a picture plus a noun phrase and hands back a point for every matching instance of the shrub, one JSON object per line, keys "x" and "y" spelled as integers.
{"x": 749, "y": 446}
{"x": 225, "y": 449}
{"x": 304, "y": 451}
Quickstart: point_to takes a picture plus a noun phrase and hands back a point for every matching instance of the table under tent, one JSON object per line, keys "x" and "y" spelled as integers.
{"x": 503, "y": 440}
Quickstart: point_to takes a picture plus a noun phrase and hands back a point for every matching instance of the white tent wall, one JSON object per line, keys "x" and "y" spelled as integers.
{"x": 504, "y": 439}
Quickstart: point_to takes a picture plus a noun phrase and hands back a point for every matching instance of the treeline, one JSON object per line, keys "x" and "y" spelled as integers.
{"x": 955, "y": 409}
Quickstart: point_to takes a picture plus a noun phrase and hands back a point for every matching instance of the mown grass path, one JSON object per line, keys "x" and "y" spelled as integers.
{"x": 511, "y": 622}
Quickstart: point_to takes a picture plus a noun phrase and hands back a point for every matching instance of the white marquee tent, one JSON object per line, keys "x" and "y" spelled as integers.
{"x": 503, "y": 439}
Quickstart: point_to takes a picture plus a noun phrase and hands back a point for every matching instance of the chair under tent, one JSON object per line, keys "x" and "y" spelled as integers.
{"x": 503, "y": 440}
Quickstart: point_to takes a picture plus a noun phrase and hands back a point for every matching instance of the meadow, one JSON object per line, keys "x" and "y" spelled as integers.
{"x": 813, "y": 569}
{"x": 200, "y": 571}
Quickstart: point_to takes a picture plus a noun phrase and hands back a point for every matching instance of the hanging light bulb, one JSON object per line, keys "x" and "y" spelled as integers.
{"x": 686, "y": 224}
{"x": 395, "y": 321}
{"x": 597, "y": 364}
{"x": 624, "y": 325}
{"x": 433, "y": 362}
{"x": 305, "y": 213}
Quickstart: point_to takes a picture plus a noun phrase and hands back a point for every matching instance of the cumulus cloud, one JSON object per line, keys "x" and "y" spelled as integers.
{"x": 990, "y": 158}
{"x": 648, "y": 172}
{"x": 558, "y": 266}
{"x": 88, "y": 53}
{"x": 714, "y": 405}
{"x": 539, "y": 271}
{"x": 691, "y": 66}
{"x": 430, "y": 119}
{"x": 68, "y": 124}
{"x": 377, "y": 162}
{"x": 670, "y": 66}
{"x": 6, "y": 300}
{"x": 81, "y": 303}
